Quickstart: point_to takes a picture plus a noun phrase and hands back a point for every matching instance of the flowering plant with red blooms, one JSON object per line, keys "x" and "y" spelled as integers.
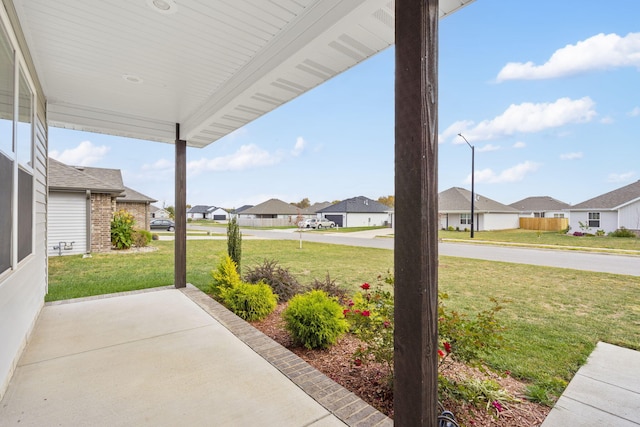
{"x": 365, "y": 286}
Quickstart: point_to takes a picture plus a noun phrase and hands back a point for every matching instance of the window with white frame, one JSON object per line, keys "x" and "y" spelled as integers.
{"x": 594, "y": 219}
{"x": 558, "y": 215}
{"x": 465, "y": 219}
{"x": 16, "y": 158}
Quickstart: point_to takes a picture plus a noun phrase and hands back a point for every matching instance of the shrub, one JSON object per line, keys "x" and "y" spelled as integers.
{"x": 315, "y": 320}
{"x": 249, "y": 301}
{"x": 224, "y": 276}
{"x": 155, "y": 236}
{"x": 283, "y": 283}
{"x": 234, "y": 242}
{"x": 122, "y": 229}
{"x": 622, "y": 232}
{"x": 141, "y": 238}
{"x": 450, "y": 228}
{"x": 330, "y": 287}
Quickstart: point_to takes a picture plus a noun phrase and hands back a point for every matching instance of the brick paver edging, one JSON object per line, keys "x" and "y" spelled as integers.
{"x": 342, "y": 403}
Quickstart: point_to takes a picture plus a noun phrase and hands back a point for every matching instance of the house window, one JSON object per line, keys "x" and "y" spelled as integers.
{"x": 465, "y": 219}
{"x": 16, "y": 159}
{"x": 538, "y": 214}
{"x": 594, "y": 219}
{"x": 558, "y": 215}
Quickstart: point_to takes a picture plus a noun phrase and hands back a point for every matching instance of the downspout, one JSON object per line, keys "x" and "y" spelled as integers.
{"x": 87, "y": 248}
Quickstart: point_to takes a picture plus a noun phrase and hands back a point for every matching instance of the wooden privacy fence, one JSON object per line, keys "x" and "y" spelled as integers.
{"x": 544, "y": 224}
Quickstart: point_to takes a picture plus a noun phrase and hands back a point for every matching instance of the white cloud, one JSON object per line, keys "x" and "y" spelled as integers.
{"x": 525, "y": 118}
{"x": 635, "y": 112}
{"x": 607, "y": 120}
{"x": 571, "y": 156}
{"x": 620, "y": 177}
{"x": 519, "y": 144}
{"x": 513, "y": 174}
{"x": 600, "y": 52}
{"x": 162, "y": 165}
{"x": 301, "y": 144}
{"x": 488, "y": 147}
{"x": 247, "y": 157}
{"x": 85, "y": 154}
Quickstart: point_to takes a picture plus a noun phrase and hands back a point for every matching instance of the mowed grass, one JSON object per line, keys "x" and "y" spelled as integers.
{"x": 550, "y": 238}
{"x": 553, "y": 317}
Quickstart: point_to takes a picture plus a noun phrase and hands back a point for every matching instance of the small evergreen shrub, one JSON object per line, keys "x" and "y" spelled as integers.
{"x": 330, "y": 287}
{"x": 155, "y": 236}
{"x": 315, "y": 320}
{"x": 283, "y": 283}
{"x": 141, "y": 238}
{"x": 250, "y": 301}
{"x": 224, "y": 276}
{"x": 234, "y": 242}
{"x": 622, "y": 232}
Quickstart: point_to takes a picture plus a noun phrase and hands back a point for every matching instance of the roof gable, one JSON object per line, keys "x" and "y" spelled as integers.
{"x": 199, "y": 209}
{"x": 131, "y": 196}
{"x": 613, "y": 199}
{"x": 65, "y": 177}
{"x": 539, "y": 204}
{"x": 272, "y": 207}
{"x": 457, "y": 199}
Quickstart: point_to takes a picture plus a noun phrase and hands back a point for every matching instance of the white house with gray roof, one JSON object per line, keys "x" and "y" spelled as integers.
{"x": 609, "y": 212}
{"x": 541, "y": 207}
{"x": 358, "y": 212}
{"x": 273, "y": 212}
{"x": 454, "y": 208}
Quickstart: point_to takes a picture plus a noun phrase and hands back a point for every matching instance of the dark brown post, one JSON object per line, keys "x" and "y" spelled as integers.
{"x": 416, "y": 208}
{"x": 180, "y": 247}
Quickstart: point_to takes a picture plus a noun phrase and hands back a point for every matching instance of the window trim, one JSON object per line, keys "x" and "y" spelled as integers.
{"x": 592, "y": 221}
{"x": 465, "y": 219}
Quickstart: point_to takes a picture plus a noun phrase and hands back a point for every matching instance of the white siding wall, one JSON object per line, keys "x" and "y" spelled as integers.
{"x": 608, "y": 221}
{"x": 499, "y": 221}
{"x": 22, "y": 290}
{"x": 67, "y": 222}
{"x": 629, "y": 216}
{"x": 366, "y": 219}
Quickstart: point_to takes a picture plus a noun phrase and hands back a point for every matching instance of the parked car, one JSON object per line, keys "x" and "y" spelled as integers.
{"x": 316, "y": 223}
{"x": 162, "y": 224}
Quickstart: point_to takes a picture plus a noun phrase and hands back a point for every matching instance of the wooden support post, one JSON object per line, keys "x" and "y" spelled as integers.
{"x": 416, "y": 209}
{"x": 180, "y": 247}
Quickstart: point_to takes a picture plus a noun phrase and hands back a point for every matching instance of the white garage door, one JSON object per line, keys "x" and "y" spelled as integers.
{"x": 67, "y": 223}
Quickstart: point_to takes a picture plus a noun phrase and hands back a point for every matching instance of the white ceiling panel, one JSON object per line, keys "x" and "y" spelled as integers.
{"x": 125, "y": 67}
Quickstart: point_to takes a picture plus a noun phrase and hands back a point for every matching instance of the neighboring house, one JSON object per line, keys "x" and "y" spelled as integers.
{"x": 541, "y": 207}
{"x": 454, "y": 208}
{"x": 358, "y": 212}
{"x": 273, "y": 212}
{"x": 610, "y": 211}
{"x": 82, "y": 201}
{"x": 158, "y": 213}
{"x": 217, "y": 214}
{"x": 235, "y": 212}
{"x": 198, "y": 212}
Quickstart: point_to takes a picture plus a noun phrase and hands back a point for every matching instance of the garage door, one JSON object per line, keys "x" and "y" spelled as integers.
{"x": 335, "y": 218}
{"x": 67, "y": 222}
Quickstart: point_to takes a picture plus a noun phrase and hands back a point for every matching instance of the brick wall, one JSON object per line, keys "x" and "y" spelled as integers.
{"x": 102, "y": 209}
{"x": 140, "y": 212}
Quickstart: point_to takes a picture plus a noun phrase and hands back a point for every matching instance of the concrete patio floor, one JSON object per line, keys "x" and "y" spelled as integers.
{"x": 167, "y": 357}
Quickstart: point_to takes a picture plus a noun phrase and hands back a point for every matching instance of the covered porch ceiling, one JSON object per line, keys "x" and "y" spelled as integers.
{"x": 135, "y": 68}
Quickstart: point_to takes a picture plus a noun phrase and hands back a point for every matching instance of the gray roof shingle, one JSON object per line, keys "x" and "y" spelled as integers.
{"x": 539, "y": 204}
{"x": 131, "y": 196}
{"x": 457, "y": 199}
{"x": 272, "y": 207}
{"x": 613, "y": 199}
{"x": 64, "y": 177}
{"x": 358, "y": 204}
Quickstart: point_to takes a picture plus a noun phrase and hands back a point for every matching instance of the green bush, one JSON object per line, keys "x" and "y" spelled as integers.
{"x": 234, "y": 242}
{"x": 622, "y": 232}
{"x": 330, "y": 287}
{"x": 224, "y": 276}
{"x": 141, "y": 238}
{"x": 315, "y": 320}
{"x": 283, "y": 283}
{"x": 122, "y": 229}
{"x": 249, "y": 301}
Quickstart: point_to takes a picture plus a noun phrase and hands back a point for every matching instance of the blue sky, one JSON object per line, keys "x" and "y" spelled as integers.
{"x": 547, "y": 91}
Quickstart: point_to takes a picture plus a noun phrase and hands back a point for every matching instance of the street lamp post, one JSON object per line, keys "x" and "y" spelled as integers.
{"x": 473, "y": 196}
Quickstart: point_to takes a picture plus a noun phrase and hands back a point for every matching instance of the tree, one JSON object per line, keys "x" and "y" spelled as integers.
{"x": 234, "y": 242}
{"x": 302, "y": 204}
{"x": 172, "y": 211}
{"x": 387, "y": 200}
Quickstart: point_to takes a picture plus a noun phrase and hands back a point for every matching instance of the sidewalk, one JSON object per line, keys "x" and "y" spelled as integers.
{"x": 167, "y": 357}
{"x": 604, "y": 392}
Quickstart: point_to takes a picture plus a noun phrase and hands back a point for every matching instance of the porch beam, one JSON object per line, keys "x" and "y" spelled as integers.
{"x": 180, "y": 244}
{"x": 416, "y": 188}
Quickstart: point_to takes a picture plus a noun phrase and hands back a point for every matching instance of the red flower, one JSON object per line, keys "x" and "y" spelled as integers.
{"x": 365, "y": 313}
{"x": 365, "y": 286}
{"x": 350, "y": 303}
{"x": 386, "y": 324}
{"x": 440, "y": 353}
{"x": 447, "y": 347}
{"x": 357, "y": 362}
{"x": 497, "y": 405}
{"x": 346, "y": 311}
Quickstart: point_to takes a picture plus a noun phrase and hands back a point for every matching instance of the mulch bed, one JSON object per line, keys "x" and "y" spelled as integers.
{"x": 369, "y": 381}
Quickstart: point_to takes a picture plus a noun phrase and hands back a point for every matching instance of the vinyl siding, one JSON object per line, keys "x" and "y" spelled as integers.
{"x": 67, "y": 222}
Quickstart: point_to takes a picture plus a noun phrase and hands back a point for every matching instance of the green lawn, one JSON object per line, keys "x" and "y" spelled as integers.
{"x": 554, "y": 317}
{"x": 546, "y": 238}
